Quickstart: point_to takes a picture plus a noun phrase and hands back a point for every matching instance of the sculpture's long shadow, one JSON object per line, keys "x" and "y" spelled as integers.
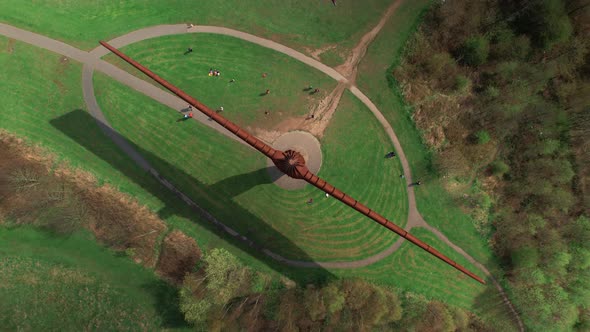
{"x": 73, "y": 124}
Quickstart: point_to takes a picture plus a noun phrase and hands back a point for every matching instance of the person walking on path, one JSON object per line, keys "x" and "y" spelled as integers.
{"x": 186, "y": 117}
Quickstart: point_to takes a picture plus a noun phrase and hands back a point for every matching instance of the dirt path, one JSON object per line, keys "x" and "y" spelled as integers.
{"x": 326, "y": 108}
{"x": 349, "y": 68}
{"x": 92, "y": 61}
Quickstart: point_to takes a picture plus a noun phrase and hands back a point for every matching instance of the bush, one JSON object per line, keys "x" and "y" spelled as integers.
{"x": 491, "y": 92}
{"x": 475, "y": 51}
{"x": 482, "y": 137}
{"x": 547, "y": 22}
{"x": 499, "y": 168}
{"x": 462, "y": 83}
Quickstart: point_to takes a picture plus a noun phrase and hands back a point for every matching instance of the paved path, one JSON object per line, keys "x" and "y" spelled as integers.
{"x": 92, "y": 61}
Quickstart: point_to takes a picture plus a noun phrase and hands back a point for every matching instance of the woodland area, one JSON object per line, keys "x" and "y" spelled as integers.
{"x": 224, "y": 295}
{"x": 501, "y": 93}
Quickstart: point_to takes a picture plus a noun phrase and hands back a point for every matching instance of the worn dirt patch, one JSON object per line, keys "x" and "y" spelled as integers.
{"x": 350, "y": 66}
{"x": 10, "y": 45}
{"x": 318, "y": 51}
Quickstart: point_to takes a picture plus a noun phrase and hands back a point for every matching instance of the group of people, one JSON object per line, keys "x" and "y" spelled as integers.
{"x": 214, "y": 72}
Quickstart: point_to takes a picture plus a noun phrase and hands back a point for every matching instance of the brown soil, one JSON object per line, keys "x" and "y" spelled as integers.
{"x": 178, "y": 256}
{"x": 317, "y": 52}
{"x": 10, "y": 45}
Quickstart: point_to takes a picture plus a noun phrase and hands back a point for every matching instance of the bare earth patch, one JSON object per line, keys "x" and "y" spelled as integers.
{"x": 317, "y": 52}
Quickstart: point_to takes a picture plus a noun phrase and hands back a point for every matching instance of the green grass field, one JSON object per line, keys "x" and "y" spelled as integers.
{"x": 202, "y": 163}
{"x": 84, "y": 22}
{"x": 68, "y": 284}
{"x": 243, "y": 101}
{"x": 415, "y": 269}
{"x": 39, "y": 89}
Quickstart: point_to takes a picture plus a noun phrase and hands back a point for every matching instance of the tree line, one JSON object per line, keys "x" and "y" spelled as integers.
{"x": 224, "y": 295}
{"x": 501, "y": 92}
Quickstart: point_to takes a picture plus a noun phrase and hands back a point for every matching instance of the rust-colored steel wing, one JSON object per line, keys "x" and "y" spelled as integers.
{"x": 292, "y": 163}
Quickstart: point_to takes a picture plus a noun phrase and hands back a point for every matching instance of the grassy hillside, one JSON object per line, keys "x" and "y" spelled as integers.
{"x": 67, "y": 283}
{"x": 310, "y": 24}
{"x": 43, "y": 102}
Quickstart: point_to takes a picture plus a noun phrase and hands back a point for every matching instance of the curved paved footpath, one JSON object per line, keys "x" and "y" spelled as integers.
{"x": 92, "y": 61}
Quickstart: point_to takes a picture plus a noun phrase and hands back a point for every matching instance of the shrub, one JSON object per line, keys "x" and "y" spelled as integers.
{"x": 462, "y": 83}
{"x": 499, "y": 168}
{"x": 482, "y": 137}
{"x": 475, "y": 51}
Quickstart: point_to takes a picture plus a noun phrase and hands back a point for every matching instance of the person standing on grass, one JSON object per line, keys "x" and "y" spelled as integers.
{"x": 267, "y": 91}
{"x": 334, "y": 2}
